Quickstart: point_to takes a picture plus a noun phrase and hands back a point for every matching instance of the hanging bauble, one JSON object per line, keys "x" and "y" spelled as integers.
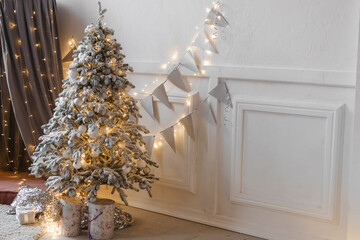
{"x": 72, "y": 73}
{"x": 90, "y": 113}
{"x": 83, "y": 80}
{"x": 126, "y": 169}
{"x": 103, "y": 130}
{"x": 121, "y": 145}
{"x": 77, "y": 101}
{"x": 77, "y": 164}
{"x": 94, "y": 154}
{"x": 106, "y": 71}
{"x": 146, "y": 170}
{"x": 109, "y": 143}
{"x": 141, "y": 163}
{"x": 93, "y": 133}
{"x": 82, "y": 129}
{"x": 142, "y": 185}
{"x": 66, "y": 154}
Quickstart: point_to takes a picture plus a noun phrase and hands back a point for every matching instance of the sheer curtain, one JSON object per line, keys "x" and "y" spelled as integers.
{"x": 31, "y": 76}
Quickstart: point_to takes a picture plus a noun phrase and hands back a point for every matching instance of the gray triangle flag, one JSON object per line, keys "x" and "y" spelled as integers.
{"x": 176, "y": 79}
{"x": 161, "y": 94}
{"x": 216, "y": 18}
{"x": 149, "y": 144}
{"x": 148, "y": 105}
{"x": 168, "y": 135}
{"x": 188, "y": 125}
{"x": 69, "y": 56}
{"x": 205, "y": 111}
{"x": 221, "y": 93}
{"x": 188, "y": 61}
{"x": 203, "y": 42}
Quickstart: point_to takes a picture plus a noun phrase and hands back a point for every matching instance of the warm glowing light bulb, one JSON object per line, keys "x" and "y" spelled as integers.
{"x": 164, "y": 66}
{"x": 188, "y": 102}
{"x": 160, "y": 143}
{"x": 156, "y": 145}
{"x": 207, "y": 10}
{"x": 135, "y": 93}
{"x": 175, "y": 55}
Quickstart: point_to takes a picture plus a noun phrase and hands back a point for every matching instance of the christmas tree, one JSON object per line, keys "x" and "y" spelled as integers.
{"x": 93, "y": 137}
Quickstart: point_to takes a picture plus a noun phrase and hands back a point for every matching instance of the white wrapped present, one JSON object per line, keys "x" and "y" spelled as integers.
{"x": 25, "y": 215}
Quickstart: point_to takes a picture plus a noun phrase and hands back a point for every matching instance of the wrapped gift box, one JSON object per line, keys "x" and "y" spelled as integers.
{"x": 25, "y": 215}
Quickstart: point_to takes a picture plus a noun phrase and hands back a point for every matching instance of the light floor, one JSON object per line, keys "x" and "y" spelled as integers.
{"x": 154, "y": 226}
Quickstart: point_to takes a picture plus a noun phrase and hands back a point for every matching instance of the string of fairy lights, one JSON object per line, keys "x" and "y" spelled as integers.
{"x": 144, "y": 89}
{"x": 27, "y": 87}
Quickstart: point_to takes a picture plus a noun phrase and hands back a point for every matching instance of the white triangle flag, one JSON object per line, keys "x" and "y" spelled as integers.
{"x": 148, "y": 105}
{"x": 149, "y": 144}
{"x": 221, "y": 93}
{"x": 188, "y": 61}
{"x": 216, "y": 18}
{"x": 176, "y": 79}
{"x": 168, "y": 135}
{"x": 205, "y": 111}
{"x": 188, "y": 125}
{"x": 203, "y": 42}
{"x": 161, "y": 94}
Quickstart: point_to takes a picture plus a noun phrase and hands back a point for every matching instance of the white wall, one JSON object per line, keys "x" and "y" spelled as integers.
{"x": 294, "y": 61}
{"x": 303, "y": 34}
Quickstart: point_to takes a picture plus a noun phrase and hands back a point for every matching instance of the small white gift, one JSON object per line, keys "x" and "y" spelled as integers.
{"x": 25, "y": 215}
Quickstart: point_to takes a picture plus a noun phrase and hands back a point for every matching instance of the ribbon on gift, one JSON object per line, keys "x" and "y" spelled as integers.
{"x": 89, "y": 221}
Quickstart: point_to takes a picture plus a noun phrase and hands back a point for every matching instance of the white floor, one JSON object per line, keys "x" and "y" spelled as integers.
{"x": 147, "y": 226}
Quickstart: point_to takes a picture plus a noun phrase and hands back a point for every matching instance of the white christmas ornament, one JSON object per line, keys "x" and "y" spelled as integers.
{"x": 77, "y": 164}
{"x": 126, "y": 169}
{"x": 72, "y": 73}
{"x": 82, "y": 129}
{"x": 94, "y": 154}
{"x": 77, "y": 101}
{"x": 121, "y": 145}
{"x": 83, "y": 80}
{"x": 93, "y": 133}
{"x": 66, "y": 154}
{"x": 103, "y": 130}
{"x": 141, "y": 163}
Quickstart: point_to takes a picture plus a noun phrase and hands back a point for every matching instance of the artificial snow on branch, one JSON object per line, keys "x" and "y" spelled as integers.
{"x": 93, "y": 137}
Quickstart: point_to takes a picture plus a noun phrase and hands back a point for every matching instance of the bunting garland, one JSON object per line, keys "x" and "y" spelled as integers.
{"x": 221, "y": 93}
{"x": 148, "y": 105}
{"x": 204, "y": 42}
{"x": 176, "y": 79}
{"x": 161, "y": 94}
{"x": 168, "y": 135}
{"x": 189, "y": 61}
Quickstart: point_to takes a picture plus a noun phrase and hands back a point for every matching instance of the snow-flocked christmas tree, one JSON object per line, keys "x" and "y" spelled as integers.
{"x": 93, "y": 137}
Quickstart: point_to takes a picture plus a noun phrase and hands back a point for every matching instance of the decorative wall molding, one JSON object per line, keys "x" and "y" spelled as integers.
{"x": 332, "y": 117}
{"x": 288, "y": 75}
{"x": 225, "y": 222}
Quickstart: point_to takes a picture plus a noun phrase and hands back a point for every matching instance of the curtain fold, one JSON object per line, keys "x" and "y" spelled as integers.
{"x": 30, "y": 56}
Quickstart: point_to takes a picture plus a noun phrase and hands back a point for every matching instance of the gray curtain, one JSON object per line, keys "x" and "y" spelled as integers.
{"x": 31, "y": 76}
